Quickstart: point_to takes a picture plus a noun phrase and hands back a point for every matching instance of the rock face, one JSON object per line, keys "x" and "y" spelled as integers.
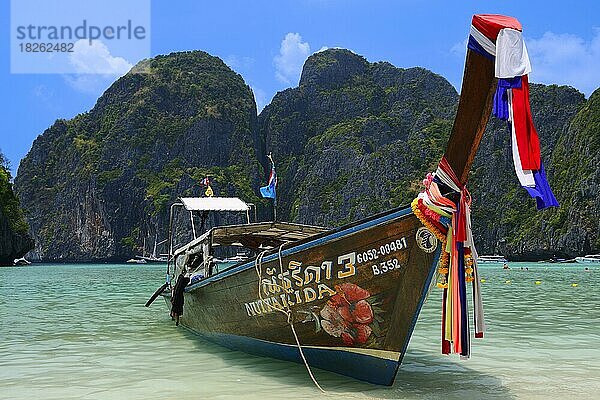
{"x": 352, "y": 139}
{"x": 576, "y": 166}
{"x": 355, "y": 137}
{"x": 98, "y": 186}
{"x": 506, "y": 221}
{"x": 14, "y": 238}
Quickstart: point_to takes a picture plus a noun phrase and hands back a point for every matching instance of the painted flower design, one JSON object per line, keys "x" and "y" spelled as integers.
{"x": 347, "y": 314}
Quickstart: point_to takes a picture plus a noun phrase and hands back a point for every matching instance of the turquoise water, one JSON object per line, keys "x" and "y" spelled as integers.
{"x": 81, "y": 332}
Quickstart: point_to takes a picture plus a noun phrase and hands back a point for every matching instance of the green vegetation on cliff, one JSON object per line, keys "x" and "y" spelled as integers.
{"x": 14, "y": 237}
{"x": 9, "y": 204}
{"x": 576, "y": 161}
{"x": 355, "y": 137}
{"x": 506, "y": 220}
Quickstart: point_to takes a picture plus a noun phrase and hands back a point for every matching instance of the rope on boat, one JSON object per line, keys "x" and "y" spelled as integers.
{"x": 287, "y": 311}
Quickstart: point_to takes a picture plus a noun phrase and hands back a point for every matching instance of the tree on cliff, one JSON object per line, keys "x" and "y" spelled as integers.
{"x": 14, "y": 239}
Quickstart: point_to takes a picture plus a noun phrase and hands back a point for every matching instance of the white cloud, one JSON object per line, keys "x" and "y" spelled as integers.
{"x": 460, "y": 48}
{"x": 96, "y": 59}
{"x": 96, "y": 68}
{"x": 566, "y": 59}
{"x": 238, "y": 63}
{"x": 292, "y": 54}
{"x": 260, "y": 96}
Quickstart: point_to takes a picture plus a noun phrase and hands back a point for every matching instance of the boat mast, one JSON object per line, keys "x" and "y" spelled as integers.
{"x": 474, "y": 108}
{"x": 155, "y": 241}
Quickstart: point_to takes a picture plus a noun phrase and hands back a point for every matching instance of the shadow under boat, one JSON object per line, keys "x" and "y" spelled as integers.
{"x": 421, "y": 375}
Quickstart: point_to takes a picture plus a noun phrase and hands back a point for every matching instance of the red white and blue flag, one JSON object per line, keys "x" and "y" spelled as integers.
{"x": 206, "y": 183}
{"x": 500, "y": 39}
{"x": 269, "y": 190}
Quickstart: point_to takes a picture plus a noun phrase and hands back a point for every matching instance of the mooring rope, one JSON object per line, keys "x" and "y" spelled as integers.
{"x": 287, "y": 312}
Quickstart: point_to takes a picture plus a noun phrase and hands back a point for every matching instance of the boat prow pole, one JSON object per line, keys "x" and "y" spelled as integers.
{"x": 472, "y": 115}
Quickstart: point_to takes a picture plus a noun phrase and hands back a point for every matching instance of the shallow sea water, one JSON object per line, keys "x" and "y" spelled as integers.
{"x": 82, "y": 332}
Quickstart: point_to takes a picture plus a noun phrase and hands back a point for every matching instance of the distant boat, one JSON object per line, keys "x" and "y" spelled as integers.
{"x": 491, "y": 259}
{"x": 21, "y": 261}
{"x": 152, "y": 259}
{"x": 561, "y": 260}
{"x": 589, "y": 259}
{"x": 136, "y": 261}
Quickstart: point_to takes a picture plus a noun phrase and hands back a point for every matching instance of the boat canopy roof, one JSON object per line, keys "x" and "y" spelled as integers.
{"x": 262, "y": 235}
{"x": 214, "y": 204}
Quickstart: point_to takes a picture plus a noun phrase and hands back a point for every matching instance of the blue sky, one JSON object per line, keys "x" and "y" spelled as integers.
{"x": 267, "y": 42}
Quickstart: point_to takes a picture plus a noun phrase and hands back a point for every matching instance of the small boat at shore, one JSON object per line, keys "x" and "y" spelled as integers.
{"x": 136, "y": 261}
{"x": 556, "y": 260}
{"x": 347, "y": 299}
{"x": 153, "y": 258}
{"x": 149, "y": 260}
{"x": 22, "y": 261}
{"x": 491, "y": 260}
{"x": 589, "y": 259}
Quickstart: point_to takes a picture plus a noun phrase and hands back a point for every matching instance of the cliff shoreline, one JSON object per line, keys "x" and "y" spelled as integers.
{"x": 15, "y": 240}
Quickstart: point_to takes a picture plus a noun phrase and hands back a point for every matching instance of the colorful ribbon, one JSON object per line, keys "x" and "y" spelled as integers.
{"x": 499, "y": 39}
{"x": 450, "y": 221}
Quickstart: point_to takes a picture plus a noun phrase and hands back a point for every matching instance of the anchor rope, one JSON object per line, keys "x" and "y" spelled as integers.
{"x": 287, "y": 311}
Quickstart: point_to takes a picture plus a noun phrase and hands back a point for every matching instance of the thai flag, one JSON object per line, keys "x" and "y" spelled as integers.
{"x": 205, "y": 182}
{"x": 269, "y": 190}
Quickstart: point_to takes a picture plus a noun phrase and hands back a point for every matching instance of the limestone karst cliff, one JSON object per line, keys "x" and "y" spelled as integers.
{"x": 15, "y": 240}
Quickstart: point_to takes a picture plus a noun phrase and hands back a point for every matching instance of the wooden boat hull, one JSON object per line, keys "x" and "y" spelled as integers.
{"x": 354, "y": 294}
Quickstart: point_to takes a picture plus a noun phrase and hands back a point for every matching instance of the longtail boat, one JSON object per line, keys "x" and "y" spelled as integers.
{"x": 347, "y": 299}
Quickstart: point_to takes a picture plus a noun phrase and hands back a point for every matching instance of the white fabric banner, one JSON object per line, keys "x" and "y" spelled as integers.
{"x": 511, "y": 54}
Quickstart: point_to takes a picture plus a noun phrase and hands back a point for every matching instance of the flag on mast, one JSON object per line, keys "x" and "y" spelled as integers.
{"x": 269, "y": 190}
{"x": 206, "y": 182}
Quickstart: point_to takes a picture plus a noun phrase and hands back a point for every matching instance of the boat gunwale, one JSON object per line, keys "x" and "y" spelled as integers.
{"x": 274, "y": 224}
{"x": 304, "y": 244}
